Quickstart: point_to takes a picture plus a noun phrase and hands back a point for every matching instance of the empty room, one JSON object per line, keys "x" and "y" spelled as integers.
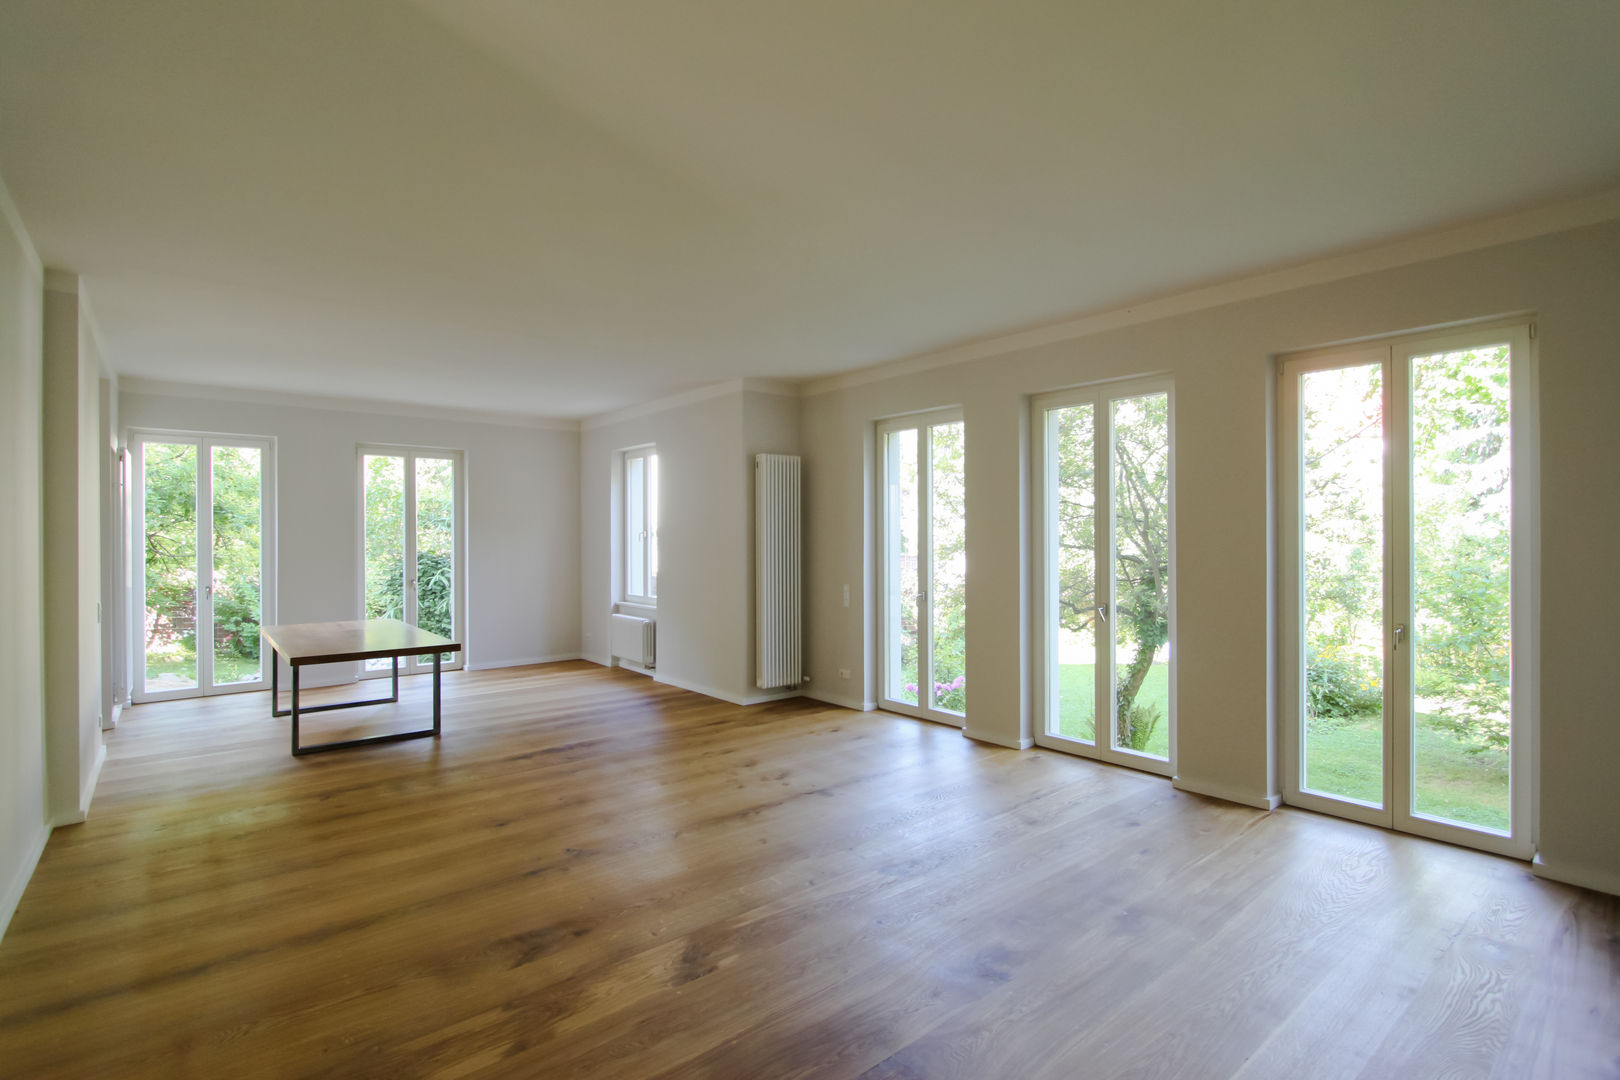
{"x": 893, "y": 539}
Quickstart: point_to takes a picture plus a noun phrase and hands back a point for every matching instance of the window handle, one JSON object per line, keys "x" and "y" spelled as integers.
{"x": 1102, "y": 612}
{"x": 1400, "y": 633}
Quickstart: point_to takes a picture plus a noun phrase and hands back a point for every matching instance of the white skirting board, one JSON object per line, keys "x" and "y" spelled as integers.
{"x": 20, "y": 878}
{"x": 1587, "y": 877}
{"x": 1227, "y": 794}
{"x": 525, "y": 661}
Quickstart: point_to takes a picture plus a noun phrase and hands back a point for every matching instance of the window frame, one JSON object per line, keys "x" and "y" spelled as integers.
{"x": 1395, "y": 353}
{"x": 648, "y": 455}
{"x": 417, "y": 665}
{"x": 921, "y": 422}
{"x": 1101, "y": 396}
{"x": 135, "y": 440}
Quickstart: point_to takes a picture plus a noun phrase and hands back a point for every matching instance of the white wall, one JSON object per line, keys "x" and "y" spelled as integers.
{"x": 1223, "y": 363}
{"x": 706, "y": 444}
{"x": 522, "y": 494}
{"x": 23, "y": 822}
{"x": 72, "y": 555}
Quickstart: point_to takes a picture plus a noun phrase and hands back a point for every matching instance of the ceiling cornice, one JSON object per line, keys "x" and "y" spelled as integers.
{"x": 1523, "y": 224}
{"x": 132, "y": 384}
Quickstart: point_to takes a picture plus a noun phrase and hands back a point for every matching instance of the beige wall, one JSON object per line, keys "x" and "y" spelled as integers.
{"x": 72, "y": 563}
{"x": 522, "y": 529}
{"x": 1223, "y": 363}
{"x": 23, "y": 821}
{"x": 705, "y": 535}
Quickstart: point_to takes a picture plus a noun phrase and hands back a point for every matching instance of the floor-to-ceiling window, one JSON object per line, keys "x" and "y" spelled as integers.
{"x": 1407, "y": 511}
{"x": 1103, "y": 468}
{"x": 923, "y": 556}
{"x": 202, "y": 534}
{"x": 411, "y": 537}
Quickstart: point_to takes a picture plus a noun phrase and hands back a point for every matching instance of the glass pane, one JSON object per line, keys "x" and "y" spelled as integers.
{"x": 635, "y": 526}
{"x": 1141, "y": 607}
{"x": 436, "y": 548}
{"x": 902, "y": 543}
{"x": 948, "y": 568}
{"x": 385, "y": 540}
{"x": 652, "y": 524}
{"x": 1072, "y": 451}
{"x": 1342, "y": 443}
{"x": 1462, "y": 553}
{"x": 170, "y": 512}
{"x": 237, "y": 533}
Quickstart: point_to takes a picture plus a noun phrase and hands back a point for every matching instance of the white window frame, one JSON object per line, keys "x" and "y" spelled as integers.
{"x": 1101, "y": 397}
{"x": 1395, "y": 354}
{"x": 645, "y": 454}
{"x": 921, "y": 422}
{"x": 417, "y": 665}
{"x": 135, "y": 441}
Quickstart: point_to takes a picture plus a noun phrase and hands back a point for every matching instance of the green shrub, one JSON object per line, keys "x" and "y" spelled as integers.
{"x": 1136, "y": 727}
{"x": 1338, "y": 685}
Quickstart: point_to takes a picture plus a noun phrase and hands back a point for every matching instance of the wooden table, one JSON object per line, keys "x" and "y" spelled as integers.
{"x": 339, "y": 642}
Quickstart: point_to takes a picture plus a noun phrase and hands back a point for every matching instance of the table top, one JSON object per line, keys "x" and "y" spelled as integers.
{"x": 361, "y": 639}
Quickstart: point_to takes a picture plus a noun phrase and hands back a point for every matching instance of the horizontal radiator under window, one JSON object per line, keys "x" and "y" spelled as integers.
{"x": 631, "y": 638}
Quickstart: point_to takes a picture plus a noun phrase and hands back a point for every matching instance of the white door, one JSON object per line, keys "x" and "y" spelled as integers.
{"x": 1104, "y": 479}
{"x": 411, "y": 545}
{"x": 203, "y": 528}
{"x": 1407, "y": 535}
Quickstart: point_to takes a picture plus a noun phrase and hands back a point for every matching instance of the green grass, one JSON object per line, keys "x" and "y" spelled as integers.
{"x": 1076, "y": 703}
{"x": 178, "y": 669}
{"x": 1346, "y": 758}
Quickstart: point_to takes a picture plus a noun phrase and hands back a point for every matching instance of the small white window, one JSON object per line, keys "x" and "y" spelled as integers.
{"x": 641, "y": 525}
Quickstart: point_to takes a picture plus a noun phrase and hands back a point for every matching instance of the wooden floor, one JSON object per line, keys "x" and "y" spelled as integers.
{"x": 595, "y": 875}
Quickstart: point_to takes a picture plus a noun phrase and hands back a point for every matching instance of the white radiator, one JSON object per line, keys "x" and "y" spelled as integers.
{"x": 779, "y": 649}
{"x": 631, "y": 638}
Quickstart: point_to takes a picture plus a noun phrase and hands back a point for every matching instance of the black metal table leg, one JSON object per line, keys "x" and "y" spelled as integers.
{"x": 396, "y": 680}
{"x": 294, "y": 711}
{"x": 436, "y": 658}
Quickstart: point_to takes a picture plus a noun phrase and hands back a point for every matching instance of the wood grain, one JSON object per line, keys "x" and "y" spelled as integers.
{"x": 595, "y": 875}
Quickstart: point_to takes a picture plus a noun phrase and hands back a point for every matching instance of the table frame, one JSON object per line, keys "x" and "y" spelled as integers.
{"x": 437, "y": 650}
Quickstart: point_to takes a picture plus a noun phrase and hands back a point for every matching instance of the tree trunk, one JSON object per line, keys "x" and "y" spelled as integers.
{"x": 1125, "y": 698}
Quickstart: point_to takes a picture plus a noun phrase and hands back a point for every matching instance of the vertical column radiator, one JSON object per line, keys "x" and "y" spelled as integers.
{"x": 778, "y": 642}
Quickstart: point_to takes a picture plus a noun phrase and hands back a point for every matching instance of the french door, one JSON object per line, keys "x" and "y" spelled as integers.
{"x": 411, "y": 546}
{"x": 203, "y": 534}
{"x": 1407, "y": 545}
{"x": 1104, "y": 476}
{"x": 923, "y": 545}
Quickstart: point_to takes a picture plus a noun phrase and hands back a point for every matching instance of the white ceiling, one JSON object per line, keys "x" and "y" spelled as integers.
{"x": 563, "y": 207}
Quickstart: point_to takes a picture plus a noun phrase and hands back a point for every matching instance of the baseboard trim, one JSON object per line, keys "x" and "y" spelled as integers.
{"x": 698, "y": 688}
{"x": 89, "y": 792}
{"x": 778, "y": 695}
{"x": 1011, "y": 744}
{"x": 842, "y": 703}
{"x": 1227, "y": 794}
{"x": 20, "y": 879}
{"x": 1604, "y": 881}
{"x": 526, "y": 661}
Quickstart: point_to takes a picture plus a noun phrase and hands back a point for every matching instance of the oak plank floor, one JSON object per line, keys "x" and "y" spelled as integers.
{"x": 595, "y": 875}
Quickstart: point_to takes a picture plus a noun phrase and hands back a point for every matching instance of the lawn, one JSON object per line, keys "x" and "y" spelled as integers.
{"x": 177, "y": 670}
{"x": 1346, "y": 757}
{"x": 1077, "y": 703}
